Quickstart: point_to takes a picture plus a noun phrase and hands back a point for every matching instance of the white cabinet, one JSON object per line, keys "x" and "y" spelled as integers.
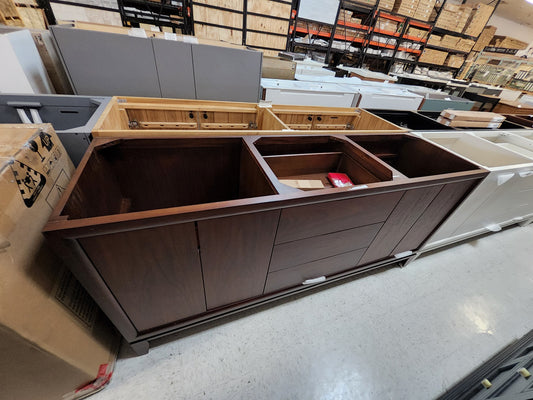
{"x": 503, "y": 198}
{"x": 287, "y": 92}
{"x": 388, "y": 98}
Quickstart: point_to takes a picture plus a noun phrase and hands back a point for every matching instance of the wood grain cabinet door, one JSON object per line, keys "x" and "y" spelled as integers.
{"x": 155, "y": 273}
{"x": 235, "y": 254}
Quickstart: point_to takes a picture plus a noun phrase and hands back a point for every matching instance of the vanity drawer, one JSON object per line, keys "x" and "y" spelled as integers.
{"x": 295, "y": 276}
{"x": 298, "y": 252}
{"x": 319, "y": 219}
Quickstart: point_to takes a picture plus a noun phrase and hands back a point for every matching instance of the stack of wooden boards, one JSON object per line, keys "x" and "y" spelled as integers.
{"x": 470, "y": 119}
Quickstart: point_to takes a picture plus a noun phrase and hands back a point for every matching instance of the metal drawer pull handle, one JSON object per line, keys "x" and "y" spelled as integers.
{"x": 525, "y": 173}
{"x": 524, "y": 372}
{"x": 314, "y": 280}
{"x": 494, "y": 228}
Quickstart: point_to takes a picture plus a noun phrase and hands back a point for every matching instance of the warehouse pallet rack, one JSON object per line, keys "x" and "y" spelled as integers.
{"x": 173, "y": 14}
{"x": 257, "y": 24}
{"x": 368, "y": 29}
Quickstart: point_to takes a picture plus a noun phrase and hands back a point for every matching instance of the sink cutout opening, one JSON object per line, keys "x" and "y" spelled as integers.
{"x": 313, "y": 158}
{"x": 412, "y": 156}
{"x": 147, "y": 174}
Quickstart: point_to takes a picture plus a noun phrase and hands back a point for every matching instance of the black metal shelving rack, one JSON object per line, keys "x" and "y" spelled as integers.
{"x": 245, "y": 28}
{"x": 176, "y": 15}
{"x": 369, "y": 29}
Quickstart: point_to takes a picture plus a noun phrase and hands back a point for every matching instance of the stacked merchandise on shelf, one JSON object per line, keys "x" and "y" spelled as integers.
{"x": 370, "y": 3}
{"x": 454, "y": 61}
{"x": 508, "y": 42}
{"x": 417, "y": 33}
{"x": 453, "y": 17}
{"x": 485, "y": 38}
{"x": 431, "y": 56}
{"x": 386, "y": 5}
{"x": 424, "y": 10}
{"x": 479, "y": 17}
{"x": 22, "y": 13}
{"x": 416, "y": 9}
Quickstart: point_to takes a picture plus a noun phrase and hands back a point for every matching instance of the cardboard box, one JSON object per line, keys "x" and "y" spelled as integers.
{"x": 485, "y": 38}
{"x": 431, "y": 56}
{"x": 277, "y": 68}
{"x": 386, "y": 5}
{"x": 468, "y": 124}
{"x": 508, "y": 42}
{"x": 53, "y": 337}
{"x": 478, "y": 18}
{"x": 454, "y": 61}
{"x": 458, "y": 115}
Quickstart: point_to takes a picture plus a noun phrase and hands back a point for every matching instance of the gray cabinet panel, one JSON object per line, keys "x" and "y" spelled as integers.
{"x": 228, "y": 74}
{"x": 108, "y": 64}
{"x": 174, "y": 67}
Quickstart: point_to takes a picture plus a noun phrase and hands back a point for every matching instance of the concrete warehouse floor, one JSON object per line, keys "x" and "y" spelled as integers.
{"x": 405, "y": 333}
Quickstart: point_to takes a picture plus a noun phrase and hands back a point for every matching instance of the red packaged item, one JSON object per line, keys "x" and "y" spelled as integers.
{"x": 339, "y": 180}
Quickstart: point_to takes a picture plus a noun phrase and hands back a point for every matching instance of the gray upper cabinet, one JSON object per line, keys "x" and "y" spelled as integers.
{"x": 227, "y": 74}
{"x": 174, "y": 68}
{"x": 110, "y": 64}
{"x": 107, "y": 64}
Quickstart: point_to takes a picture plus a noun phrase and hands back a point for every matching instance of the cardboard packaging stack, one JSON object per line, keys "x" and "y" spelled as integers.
{"x": 424, "y": 9}
{"x": 508, "y": 42}
{"x": 477, "y": 20}
{"x": 431, "y": 56}
{"x": 453, "y": 17}
{"x": 485, "y": 38}
{"x": 386, "y": 5}
{"x": 470, "y": 119}
{"x": 405, "y": 7}
{"x": 454, "y": 61}
{"x": 417, "y": 33}
{"x": 370, "y": 3}
{"x": 53, "y": 337}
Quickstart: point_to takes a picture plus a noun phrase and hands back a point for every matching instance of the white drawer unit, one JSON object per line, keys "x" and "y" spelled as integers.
{"x": 504, "y": 197}
{"x": 388, "y": 98}
{"x": 285, "y": 92}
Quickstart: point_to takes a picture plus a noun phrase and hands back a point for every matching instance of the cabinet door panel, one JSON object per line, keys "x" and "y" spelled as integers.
{"x": 445, "y": 201}
{"x": 235, "y": 253}
{"x": 405, "y": 214}
{"x": 154, "y": 273}
{"x": 318, "y": 219}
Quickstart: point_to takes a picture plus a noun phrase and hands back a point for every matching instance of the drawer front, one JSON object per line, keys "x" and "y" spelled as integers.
{"x": 328, "y": 266}
{"x": 319, "y": 219}
{"x": 290, "y": 254}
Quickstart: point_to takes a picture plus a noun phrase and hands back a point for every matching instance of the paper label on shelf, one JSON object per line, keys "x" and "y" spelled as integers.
{"x": 171, "y": 36}
{"x": 190, "y": 39}
{"x": 137, "y": 32}
{"x": 155, "y": 29}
